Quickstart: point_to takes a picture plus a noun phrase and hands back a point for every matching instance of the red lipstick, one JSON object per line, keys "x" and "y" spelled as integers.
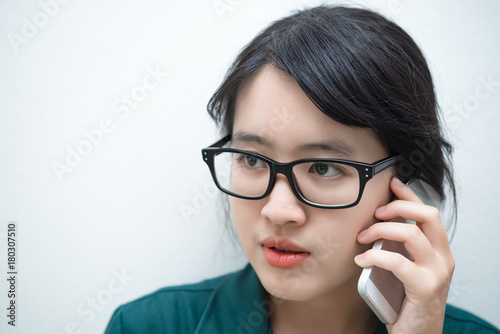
{"x": 283, "y": 253}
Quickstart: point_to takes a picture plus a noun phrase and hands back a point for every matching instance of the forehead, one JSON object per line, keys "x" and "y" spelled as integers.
{"x": 273, "y": 107}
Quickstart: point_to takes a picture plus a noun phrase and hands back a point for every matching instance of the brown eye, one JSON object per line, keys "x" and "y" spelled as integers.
{"x": 323, "y": 169}
{"x": 251, "y": 160}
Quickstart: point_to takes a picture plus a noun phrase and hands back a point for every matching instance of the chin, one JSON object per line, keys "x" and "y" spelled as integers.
{"x": 300, "y": 284}
{"x": 293, "y": 284}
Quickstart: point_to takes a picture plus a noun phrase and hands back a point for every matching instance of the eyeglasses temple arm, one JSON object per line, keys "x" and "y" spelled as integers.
{"x": 222, "y": 142}
{"x": 384, "y": 164}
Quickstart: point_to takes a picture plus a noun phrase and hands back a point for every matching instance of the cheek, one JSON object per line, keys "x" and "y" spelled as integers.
{"x": 377, "y": 193}
{"x": 344, "y": 225}
{"x": 245, "y": 214}
{"x": 242, "y": 210}
{"x": 336, "y": 239}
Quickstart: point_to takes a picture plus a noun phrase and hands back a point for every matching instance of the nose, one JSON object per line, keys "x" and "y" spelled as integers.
{"x": 282, "y": 205}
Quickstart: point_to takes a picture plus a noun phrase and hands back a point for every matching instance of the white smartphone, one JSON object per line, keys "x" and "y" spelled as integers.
{"x": 380, "y": 289}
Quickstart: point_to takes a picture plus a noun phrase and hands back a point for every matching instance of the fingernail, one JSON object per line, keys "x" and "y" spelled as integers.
{"x": 358, "y": 259}
{"x": 381, "y": 209}
{"x": 398, "y": 183}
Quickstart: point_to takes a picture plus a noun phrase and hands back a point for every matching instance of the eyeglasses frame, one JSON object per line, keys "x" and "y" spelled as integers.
{"x": 366, "y": 172}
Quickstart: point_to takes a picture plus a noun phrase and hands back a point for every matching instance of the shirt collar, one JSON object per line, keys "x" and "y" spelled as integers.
{"x": 239, "y": 304}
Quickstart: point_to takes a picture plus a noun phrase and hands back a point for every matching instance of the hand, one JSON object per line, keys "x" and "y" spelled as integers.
{"x": 427, "y": 278}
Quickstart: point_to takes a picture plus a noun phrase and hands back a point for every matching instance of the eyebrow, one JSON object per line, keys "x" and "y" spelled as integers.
{"x": 335, "y": 146}
{"x": 245, "y": 137}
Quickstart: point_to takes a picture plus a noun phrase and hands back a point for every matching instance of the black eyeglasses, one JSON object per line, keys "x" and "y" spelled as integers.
{"x": 322, "y": 183}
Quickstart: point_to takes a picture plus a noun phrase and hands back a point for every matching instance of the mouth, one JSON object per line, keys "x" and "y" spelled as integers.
{"x": 283, "y": 253}
{"x": 285, "y": 250}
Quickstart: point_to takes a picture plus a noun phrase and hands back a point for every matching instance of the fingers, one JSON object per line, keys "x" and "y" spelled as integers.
{"x": 409, "y": 206}
{"x": 427, "y": 242}
{"x": 399, "y": 265}
{"x": 403, "y": 192}
{"x": 420, "y": 281}
{"x": 428, "y": 275}
{"x": 414, "y": 240}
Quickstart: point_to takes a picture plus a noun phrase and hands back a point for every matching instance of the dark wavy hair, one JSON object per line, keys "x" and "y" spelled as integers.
{"x": 361, "y": 70}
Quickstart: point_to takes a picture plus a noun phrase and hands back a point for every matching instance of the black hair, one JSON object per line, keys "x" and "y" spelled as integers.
{"x": 361, "y": 70}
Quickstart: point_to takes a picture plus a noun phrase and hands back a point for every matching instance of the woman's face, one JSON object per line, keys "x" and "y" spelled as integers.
{"x": 285, "y": 125}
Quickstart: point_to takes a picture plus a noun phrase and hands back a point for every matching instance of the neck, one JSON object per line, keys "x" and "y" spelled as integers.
{"x": 338, "y": 311}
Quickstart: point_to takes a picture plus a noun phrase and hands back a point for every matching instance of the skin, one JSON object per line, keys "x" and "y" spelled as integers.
{"x": 321, "y": 296}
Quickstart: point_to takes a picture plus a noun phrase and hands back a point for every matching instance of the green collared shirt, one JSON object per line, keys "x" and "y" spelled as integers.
{"x": 235, "y": 303}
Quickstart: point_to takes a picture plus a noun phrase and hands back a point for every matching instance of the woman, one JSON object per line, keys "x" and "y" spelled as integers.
{"x": 325, "y": 115}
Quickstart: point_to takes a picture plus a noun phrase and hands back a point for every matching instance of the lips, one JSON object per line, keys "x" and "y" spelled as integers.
{"x": 282, "y": 253}
{"x": 283, "y": 243}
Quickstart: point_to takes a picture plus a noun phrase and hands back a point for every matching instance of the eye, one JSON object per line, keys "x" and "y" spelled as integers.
{"x": 252, "y": 161}
{"x": 324, "y": 169}
{"x": 249, "y": 161}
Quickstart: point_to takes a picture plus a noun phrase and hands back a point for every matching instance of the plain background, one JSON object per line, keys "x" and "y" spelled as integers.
{"x": 139, "y": 211}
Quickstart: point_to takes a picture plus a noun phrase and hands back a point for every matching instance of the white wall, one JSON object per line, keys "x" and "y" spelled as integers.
{"x": 119, "y": 209}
